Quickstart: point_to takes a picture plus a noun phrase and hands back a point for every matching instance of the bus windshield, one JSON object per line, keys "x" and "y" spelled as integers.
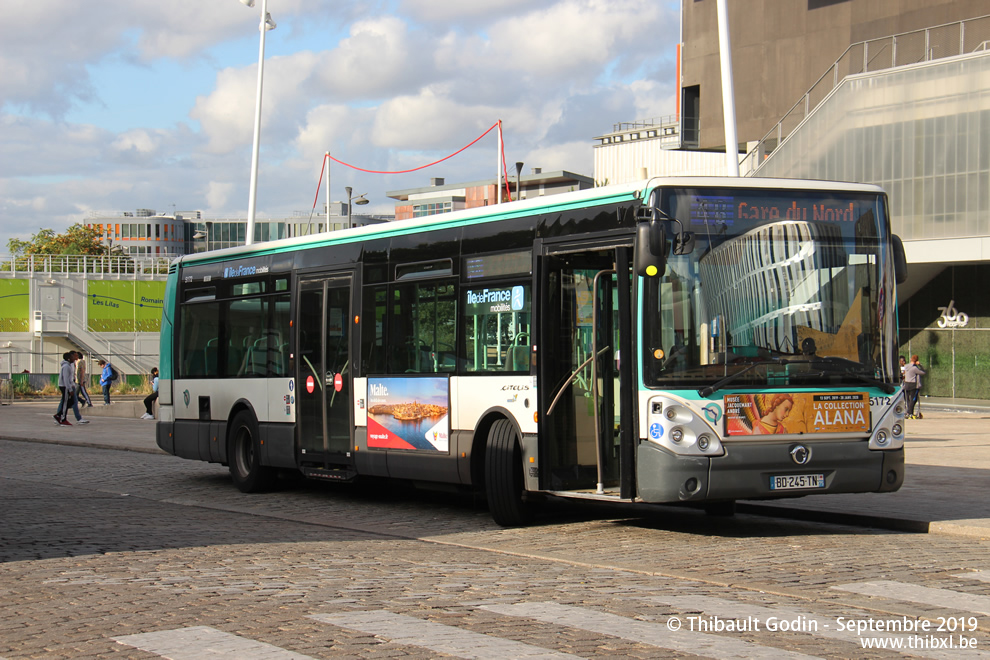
{"x": 780, "y": 289}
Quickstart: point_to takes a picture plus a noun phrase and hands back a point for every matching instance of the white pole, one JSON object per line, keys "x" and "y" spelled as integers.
{"x": 498, "y": 164}
{"x": 328, "y": 190}
{"x": 728, "y": 95}
{"x": 253, "y": 194}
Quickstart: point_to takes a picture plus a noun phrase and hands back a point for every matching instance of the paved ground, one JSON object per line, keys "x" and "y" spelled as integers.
{"x": 945, "y": 488}
{"x": 137, "y": 554}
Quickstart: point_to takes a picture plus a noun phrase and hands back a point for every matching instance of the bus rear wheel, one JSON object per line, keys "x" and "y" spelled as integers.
{"x": 504, "y": 476}
{"x": 244, "y": 455}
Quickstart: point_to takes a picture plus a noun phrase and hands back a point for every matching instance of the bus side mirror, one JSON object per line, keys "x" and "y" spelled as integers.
{"x": 900, "y": 259}
{"x": 651, "y": 249}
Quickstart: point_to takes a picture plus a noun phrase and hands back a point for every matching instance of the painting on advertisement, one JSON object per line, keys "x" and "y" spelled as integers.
{"x": 409, "y": 413}
{"x": 797, "y": 412}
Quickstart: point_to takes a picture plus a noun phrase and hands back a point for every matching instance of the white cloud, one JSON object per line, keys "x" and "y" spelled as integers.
{"x": 217, "y": 194}
{"x": 380, "y": 58}
{"x": 448, "y": 11}
{"x": 138, "y": 141}
{"x": 395, "y": 92}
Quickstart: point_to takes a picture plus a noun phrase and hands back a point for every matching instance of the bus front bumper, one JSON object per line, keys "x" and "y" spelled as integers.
{"x": 748, "y": 471}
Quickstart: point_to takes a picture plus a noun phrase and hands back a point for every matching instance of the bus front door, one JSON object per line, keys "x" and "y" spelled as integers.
{"x": 323, "y": 378}
{"x": 585, "y": 398}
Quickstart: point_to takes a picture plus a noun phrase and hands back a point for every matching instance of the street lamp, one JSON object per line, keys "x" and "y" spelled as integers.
{"x": 360, "y": 201}
{"x": 519, "y": 167}
{"x": 266, "y": 24}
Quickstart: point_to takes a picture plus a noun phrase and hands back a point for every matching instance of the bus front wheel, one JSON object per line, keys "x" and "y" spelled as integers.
{"x": 504, "y": 476}
{"x": 244, "y": 455}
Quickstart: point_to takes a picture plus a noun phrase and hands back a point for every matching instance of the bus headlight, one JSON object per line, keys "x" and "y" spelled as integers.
{"x": 675, "y": 426}
{"x": 897, "y": 429}
{"x": 882, "y": 438}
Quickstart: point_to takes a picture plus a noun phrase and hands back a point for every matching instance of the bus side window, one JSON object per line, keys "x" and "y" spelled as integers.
{"x": 497, "y": 328}
{"x": 422, "y": 325}
{"x": 374, "y": 309}
{"x": 210, "y": 357}
{"x": 198, "y": 328}
{"x": 278, "y": 346}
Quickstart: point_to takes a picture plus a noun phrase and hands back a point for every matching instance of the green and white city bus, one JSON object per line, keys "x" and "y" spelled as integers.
{"x": 678, "y": 340}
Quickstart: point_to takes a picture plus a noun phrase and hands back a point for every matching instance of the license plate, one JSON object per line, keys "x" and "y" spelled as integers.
{"x": 797, "y": 481}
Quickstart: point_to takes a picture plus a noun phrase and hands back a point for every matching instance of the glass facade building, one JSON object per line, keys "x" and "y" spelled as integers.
{"x": 922, "y": 131}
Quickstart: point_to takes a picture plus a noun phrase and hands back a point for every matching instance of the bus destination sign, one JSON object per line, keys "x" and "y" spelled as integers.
{"x": 727, "y": 210}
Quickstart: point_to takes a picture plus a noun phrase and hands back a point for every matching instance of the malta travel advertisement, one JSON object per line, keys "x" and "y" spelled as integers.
{"x": 409, "y": 413}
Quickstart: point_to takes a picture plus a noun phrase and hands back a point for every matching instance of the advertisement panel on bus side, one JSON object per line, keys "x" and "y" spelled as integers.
{"x": 409, "y": 413}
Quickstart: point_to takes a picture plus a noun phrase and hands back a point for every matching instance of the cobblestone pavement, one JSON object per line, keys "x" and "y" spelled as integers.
{"x": 136, "y": 555}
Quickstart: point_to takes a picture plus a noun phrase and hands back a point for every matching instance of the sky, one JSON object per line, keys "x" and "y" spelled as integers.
{"x": 116, "y": 105}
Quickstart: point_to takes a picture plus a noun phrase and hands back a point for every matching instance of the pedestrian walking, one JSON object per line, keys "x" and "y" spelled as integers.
{"x": 106, "y": 380}
{"x": 149, "y": 401}
{"x": 81, "y": 376}
{"x": 912, "y": 385}
{"x": 67, "y": 387}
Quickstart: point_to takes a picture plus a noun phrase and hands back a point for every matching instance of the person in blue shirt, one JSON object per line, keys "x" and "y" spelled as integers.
{"x": 149, "y": 401}
{"x": 106, "y": 380}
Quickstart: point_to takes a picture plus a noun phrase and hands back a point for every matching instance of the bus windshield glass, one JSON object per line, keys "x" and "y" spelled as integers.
{"x": 779, "y": 289}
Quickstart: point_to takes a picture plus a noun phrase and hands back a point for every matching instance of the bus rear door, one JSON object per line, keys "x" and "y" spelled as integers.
{"x": 323, "y": 377}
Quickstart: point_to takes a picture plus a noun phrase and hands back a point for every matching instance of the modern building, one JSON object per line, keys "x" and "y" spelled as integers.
{"x": 110, "y": 306}
{"x": 106, "y": 307}
{"x": 780, "y": 50}
{"x": 637, "y": 150}
{"x": 441, "y": 197}
{"x": 895, "y": 93}
{"x": 148, "y": 233}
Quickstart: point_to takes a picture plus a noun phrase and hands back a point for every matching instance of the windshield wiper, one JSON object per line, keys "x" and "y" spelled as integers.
{"x": 708, "y": 390}
{"x": 888, "y": 388}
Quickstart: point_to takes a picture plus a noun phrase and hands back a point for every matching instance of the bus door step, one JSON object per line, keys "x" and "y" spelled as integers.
{"x": 610, "y": 495}
{"x": 339, "y": 474}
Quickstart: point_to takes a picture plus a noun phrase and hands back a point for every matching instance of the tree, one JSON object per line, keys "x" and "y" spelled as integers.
{"x": 77, "y": 239}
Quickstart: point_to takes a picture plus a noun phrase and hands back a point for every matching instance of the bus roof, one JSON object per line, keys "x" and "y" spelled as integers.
{"x": 629, "y": 192}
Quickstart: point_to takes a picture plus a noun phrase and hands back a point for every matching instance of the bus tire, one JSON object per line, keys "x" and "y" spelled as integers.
{"x": 504, "y": 476}
{"x": 244, "y": 455}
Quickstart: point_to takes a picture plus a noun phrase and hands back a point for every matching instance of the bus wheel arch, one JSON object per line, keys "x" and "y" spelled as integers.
{"x": 503, "y": 474}
{"x": 244, "y": 452}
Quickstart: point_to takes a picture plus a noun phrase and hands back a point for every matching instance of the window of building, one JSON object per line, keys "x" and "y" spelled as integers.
{"x": 433, "y": 208}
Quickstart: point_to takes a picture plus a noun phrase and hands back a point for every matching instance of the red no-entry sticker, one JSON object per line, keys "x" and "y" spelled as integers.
{"x": 310, "y": 384}
{"x": 338, "y": 382}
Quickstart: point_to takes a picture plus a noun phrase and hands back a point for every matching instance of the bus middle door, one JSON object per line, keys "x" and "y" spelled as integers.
{"x": 323, "y": 377}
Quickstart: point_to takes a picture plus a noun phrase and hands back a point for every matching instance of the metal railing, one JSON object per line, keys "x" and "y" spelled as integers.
{"x": 96, "y": 344}
{"x": 924, "y": 45}
{"x": 669, "y": 120}
{"x": 6, "y": 392}
{"x": 113, "y": 266}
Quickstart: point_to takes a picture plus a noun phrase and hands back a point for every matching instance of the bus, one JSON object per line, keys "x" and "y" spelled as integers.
{"x": 677, "y": 340}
